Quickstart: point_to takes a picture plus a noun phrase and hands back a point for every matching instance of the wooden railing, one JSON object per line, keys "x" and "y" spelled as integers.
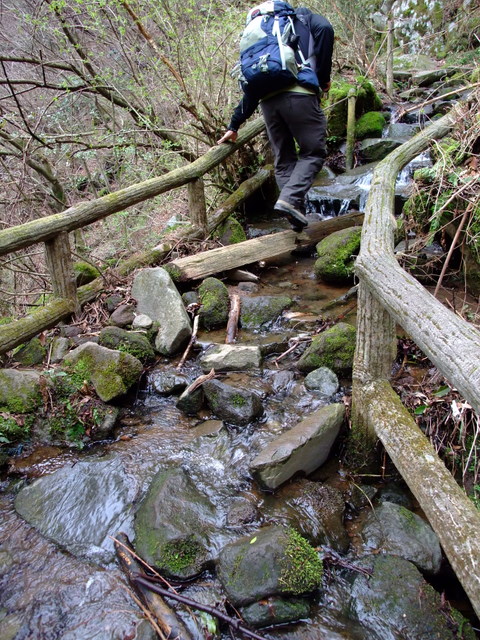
{"x": 53, "y": 232}
{"x": 388, "y": 295}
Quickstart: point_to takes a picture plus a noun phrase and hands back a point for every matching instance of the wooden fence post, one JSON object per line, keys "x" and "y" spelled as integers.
{"x": 60, "y": 266}
{"x": 196, "y": 204}
{"x": 350, "y": 129}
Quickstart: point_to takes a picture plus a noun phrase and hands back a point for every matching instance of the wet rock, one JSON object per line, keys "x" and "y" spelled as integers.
{"x": 271, "y": 561}
{"x": 30, "y": 354}
{"x": 323, "y": 380}
{"x": 314, "y": 510}
{"x": 396, "y": 602}
{"x": 227, "y": 357}
{"x": 190, "y": 297}
{"x": 272, "y": 343}
{"x": 359, "y": 496}
{"x": 428, "y": 77}
{"x": 123, "y": 316}
{"x": 333, "y": 348}
{"x": 373, "y": 149}
{"x": 59, "y": 350}
{"x": 105, "y": 428}
{"x": 19, "y": 390}
{"x": 336, "y": 256}
{"x": 275, "y": 611}
{"x": 282, "y": 381}
{"x": 158, "y": 298}
{"x": 112, "y": 373}
{"x": 190, "y": 402}
{"x": 262, "y": 311}
{"x": 172, "y": 525}
{"x": 209, "y": 428}
{"x": 248, "y": 287}
{"x": 402, "y": 131}
{"x": 395, "y": 493}
{"x": 80, "y": 506}
{"x": 168, "y": 381}
{"x": 398, "y": 531}
{"x": 214, "y": 298}
{"x": 232, "y": 404}
{"x": 142, "y": 321}
{"x": 243, "y": 511}
{"x": 136, "y": 344}
{"x": 305, "y": 447}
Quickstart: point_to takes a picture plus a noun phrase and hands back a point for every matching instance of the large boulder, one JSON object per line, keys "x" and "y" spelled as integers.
{"x": 158, "y": 298}
{"x": 80, "y": 506}
{"x": 214, "y": 298}
{"x": 172, "y": 525}
{"x": 305, "y": 447}
{"x": 397, "y": 531}
{"x": 19, "y": 390}
{"x": 262, "y": 311}
{"x": 112, "y": 373}
{"x": 333, "y": 348}
{"x": 232, "y": 404}
{"x": 395, "y": 602}
{"x": 31, "y": 353}
{"x": 272, "y": 561}
{"x": 231, "y": 357}
{"x": 336, "y": 255}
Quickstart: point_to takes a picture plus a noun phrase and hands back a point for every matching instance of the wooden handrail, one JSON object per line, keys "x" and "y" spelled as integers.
{"x": 85, "y": 213}
{"x": 388, "y": 295}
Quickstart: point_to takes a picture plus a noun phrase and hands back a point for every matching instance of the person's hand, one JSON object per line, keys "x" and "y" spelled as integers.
{"x": 230, "y": 136}
{"x": 326, "y": 88}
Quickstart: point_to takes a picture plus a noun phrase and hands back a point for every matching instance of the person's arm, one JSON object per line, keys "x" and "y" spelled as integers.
{"x": 323, "y": 37}
{"x": 242, "y": 112}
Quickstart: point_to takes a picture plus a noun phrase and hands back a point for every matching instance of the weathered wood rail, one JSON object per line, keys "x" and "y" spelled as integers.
{"x": 388, "y": 295}
{"x": 53, "y": 232}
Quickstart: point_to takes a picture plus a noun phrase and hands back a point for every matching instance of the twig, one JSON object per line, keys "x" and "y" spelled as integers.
{"x": 233, "y": 622}
{"x": 452, "y": 247}
{"x": 199, "y": 381}
{"x": 193, "y": 338}
{"x": 296, "y": 342}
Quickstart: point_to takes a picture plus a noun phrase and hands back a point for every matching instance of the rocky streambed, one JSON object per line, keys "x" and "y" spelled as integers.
{"x": 236, "y": 487}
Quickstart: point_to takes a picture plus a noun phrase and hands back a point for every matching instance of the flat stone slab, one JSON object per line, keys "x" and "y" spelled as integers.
{"x": 226, "y": 357}
{"x": 305, "y": 447}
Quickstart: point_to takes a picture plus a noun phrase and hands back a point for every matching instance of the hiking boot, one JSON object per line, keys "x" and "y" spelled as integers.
{"x": 293, "y": 215}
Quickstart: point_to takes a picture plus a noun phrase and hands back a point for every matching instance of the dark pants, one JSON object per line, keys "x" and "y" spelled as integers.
{"x": 295, "y": 118}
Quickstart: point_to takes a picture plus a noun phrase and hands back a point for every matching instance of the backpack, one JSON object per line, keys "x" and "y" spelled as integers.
{"x": 269, "y": 52}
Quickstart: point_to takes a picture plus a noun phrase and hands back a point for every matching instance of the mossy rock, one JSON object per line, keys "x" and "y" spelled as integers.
{"x": 31, "y": 353}
{"x": 334, "y": 348}
{"x": 172, "y": 525}
{"x": 370, "y": 125}
{"x": 231, "y": 232}
{"x": 273, "y": 561}
{"x": 19, "y": 391}
{"x": 336, "y": 256}
{"x": 136, "y": 344}
{"x": 367, "y": 100}
{"x": 85, "y": 273}
{"x": 214, "y": 298}
{"x": 262, "y": 311}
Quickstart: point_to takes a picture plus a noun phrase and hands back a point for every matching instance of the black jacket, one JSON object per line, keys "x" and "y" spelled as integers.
{"x": 323, "y": 35}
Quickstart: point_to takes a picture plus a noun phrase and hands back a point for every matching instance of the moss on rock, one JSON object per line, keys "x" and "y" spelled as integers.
{"x": 370, "y": 125}
{"x": 214, "y": 298}
{"x": 336, "y": 255}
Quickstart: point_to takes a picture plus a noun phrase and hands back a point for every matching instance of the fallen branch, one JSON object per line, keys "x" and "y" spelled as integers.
{"x": 233, "y": 318}
{"x": 170, "y": 626}
{"x": 295, "y": 343}
{"x": 199, "y": 381}
{"x": 233, "y": 622}
{"x": 193, "y": 337}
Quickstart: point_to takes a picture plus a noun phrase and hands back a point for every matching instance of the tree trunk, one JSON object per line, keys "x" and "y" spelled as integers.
{"x": 237, "y": 255}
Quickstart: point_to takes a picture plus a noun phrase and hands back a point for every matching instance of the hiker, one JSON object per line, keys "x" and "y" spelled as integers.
{"x": 292, "y": 113}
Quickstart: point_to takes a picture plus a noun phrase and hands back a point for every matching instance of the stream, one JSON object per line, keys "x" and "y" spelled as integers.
{"x": 65, "y": 583}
